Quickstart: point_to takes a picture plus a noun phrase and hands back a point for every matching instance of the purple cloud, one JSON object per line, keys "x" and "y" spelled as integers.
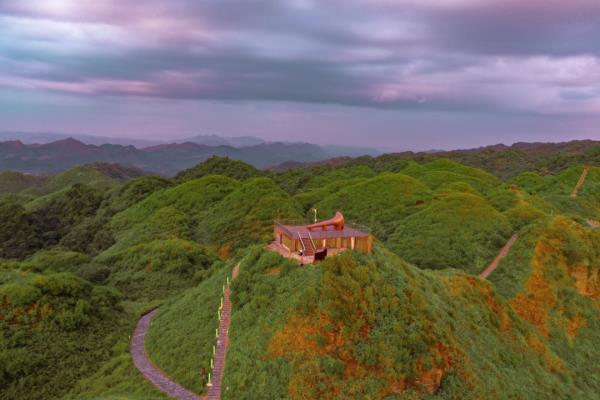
{"x": 539, "y": 57}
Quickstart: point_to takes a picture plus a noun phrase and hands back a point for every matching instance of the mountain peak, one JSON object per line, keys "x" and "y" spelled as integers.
{"x": 68, "y": 143}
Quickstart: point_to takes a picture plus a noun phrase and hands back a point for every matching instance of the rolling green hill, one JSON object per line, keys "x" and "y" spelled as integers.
{"x": 101, "y": 245}
{"x": 15, "y": 182}
{"x": 375, "y": 327}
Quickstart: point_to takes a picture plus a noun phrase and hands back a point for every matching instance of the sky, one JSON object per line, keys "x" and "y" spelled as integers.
{"x": 393, "y": 74}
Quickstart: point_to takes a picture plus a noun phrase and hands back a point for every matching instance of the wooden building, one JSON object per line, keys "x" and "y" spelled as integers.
{"x": 328, "y": 237}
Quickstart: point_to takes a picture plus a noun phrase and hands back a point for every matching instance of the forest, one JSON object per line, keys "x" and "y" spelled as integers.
{"x": 85, "y": 253}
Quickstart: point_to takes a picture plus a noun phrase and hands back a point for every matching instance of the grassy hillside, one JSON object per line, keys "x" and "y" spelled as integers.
{"x": 219, "y": 166}
{"x": 457, "y": 230}
{"x": 170, "y": 213}
{"x": 374, "y": 327}
{"x": 103, "y": 245}
{"x": 48, "y": 320}
{"x": 15, "y": 182}
{"x": 246, "y": 215}
{"x": 98, "y": 175}
{"x": 397, "y": 196}
{"x": 440, "y": 172}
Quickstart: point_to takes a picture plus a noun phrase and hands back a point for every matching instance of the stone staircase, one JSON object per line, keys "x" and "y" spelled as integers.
{"x": 214, "y": 390}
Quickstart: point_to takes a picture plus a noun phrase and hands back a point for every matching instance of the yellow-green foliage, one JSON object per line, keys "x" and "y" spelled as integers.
{"x": 158, "y": 268}
{"x": 311, "y": 197}
{"x": 531, "y": 181}
{"x": 246, "y": 215}
{"x": 358, "y": 326}
{"x": 56, "y": 260}
{"x": 523, "y": 215}
{"x": 458, "y": 230}
{"x": 379, "y": 202}
{"x": 586, "y": 204}
{"x": 457, "y": 186}
{"x": 439, "y": 172}
{"x": 170, "y": 213}
{"x": 351, "y": 172}
{"x": 552, "y": 281}
{"x": 191, "y": 198}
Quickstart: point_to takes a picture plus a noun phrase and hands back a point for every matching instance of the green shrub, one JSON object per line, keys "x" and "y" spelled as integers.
{"x": 378, "y": 203}
{"x": 459, "y": 230}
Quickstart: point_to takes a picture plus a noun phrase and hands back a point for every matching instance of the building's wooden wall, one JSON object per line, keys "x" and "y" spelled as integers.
{"x": 364, "y": 244}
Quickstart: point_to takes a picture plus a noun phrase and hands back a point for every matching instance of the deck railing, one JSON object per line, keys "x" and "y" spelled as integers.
{"x": 298, "y": 221}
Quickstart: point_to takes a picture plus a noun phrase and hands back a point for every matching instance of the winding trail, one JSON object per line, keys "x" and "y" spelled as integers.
{"x": 581, "y": 181}
{"x": 214, "y": 390}
{"x": 148, "y": 369}
{"x": 494, "y": 264}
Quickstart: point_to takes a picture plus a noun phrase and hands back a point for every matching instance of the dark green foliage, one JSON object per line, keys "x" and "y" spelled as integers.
{"x": 18, "y": 231}
{"x": 50, "y": 320}
{"x": 94, "y": 234}
{"x": 219, "y": 166}
{"x": 62, "y": 213}
{"x": 134, "y": 191}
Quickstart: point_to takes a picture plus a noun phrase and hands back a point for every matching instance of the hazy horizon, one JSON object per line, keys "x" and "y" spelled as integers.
{"x": 179, "y": 139}
{"x": 402, "y": 75}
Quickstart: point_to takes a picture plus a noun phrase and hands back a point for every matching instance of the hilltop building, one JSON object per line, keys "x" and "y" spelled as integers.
{"x": 314, "y": 242}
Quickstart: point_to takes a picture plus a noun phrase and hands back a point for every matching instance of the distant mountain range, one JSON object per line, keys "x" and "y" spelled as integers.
{"x": 48, "y": 137}
{"x": 164, "y": 159}
{"x": 208, "y": 140}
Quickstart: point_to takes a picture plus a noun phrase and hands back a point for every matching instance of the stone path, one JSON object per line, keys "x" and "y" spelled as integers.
{"x": 494, "y": 264}
{"x": 148, "y": 369}
{"x": 581, "y": 181}
{"x": 214, "y": 391}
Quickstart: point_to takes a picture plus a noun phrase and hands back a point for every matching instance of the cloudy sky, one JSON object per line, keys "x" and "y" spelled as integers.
{"x": 398, "y": 74}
